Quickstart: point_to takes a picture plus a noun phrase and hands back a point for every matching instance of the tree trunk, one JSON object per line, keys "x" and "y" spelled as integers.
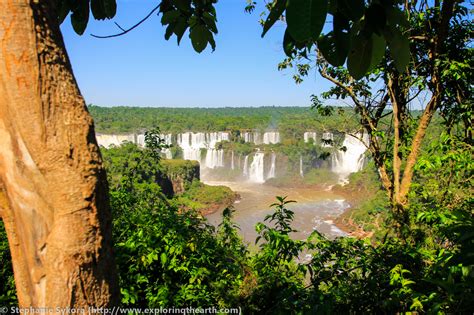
{"x": 53, "y": 189}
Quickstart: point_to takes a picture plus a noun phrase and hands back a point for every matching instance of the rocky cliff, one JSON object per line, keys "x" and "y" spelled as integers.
{"x": 178, "y": 174}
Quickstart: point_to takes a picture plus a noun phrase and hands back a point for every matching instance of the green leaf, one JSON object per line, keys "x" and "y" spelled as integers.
{"x": 183, "y": 5}
{"x": 399, "y": 46}
{"x": 103, "y": 9}
{"x": 110, "y": 7}
{"x": 365, "y": 53}
{"x": 210, "y": 22}
{"x": 360, "y": 55}
{"x": 376, "y": 18}
{"x": 334, "y": 49}
{"x": 396, "y": 17}
{"x": 275, "y": 13}
{"x": 199, "y": 37}
{"x": 288, "y": 44}
{"x": 170, "y": 17}
{"x": 180, "y": 28}
{"x": 305, "y": 18}
{"x": 169, "y": 30}
{"x": 352, "y": 9}
{"x": 378, "y": 50}
{"x": 163, "y": 258}
{"x": 80, "y": 17}
{"x": 63, "y": 11}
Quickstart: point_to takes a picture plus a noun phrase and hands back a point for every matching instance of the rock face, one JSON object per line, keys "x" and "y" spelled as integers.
{"x": 178, "y": 174}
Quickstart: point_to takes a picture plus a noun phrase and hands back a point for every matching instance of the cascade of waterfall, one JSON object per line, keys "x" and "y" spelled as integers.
{"x": 247, "y": 136}
{"x": 271, "y": 137}
{"x": 271, "y": 172}
{"x": 214, "y": 158}
{"x": 192, "y": 143}
{"x": 167, "y": 151}
{"x": 246, "y": 166}
{"x": 140, "y": 140}
{"x": 351, "y": 160}
{"x": 309, "y": 135}
{"x": 257, "y": 168}
{"x": 114, "y": 140}
{"x": 213, "y": 137}
{"x": 301, "y": 166}
{"x": 232, "y": 160}
{"x": 257, "y": 138}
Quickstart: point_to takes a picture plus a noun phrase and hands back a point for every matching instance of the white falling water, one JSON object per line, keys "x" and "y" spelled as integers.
{"x": 114, "y": 140}
{"x": 309, "y": 135}
{"x": 191, "y": 144}
{"x": 232, "y": 166}
{"x": 246, "y": 166}
{"x": 213, "y": 138}
{"x": 256, "y": 168}
{"x": 141, "y": 140}
{"x": 167, "y": 153}
{"x": 257, "y": 138}
{"x": 301, "y": 167}
{"x": 214, "y": 158}
{"x": 271, "y": 137}
{"x": 167, "y": 139}
{"x": 352, "y": 160}
{"x": 247, "y": 136}
{"x": 271, "y": 172}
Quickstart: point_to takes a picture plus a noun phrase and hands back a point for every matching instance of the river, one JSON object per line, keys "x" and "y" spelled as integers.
{"x": 314, "y": 209}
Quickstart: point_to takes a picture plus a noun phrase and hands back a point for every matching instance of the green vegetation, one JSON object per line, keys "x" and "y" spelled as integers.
{"x": 204, "y": 198}
{"x": 7, "y": 289}
{"x": 369, "y": 202}
{"x": 291, "y": 121}
{"x": 169, "y": 257}
{"x": 175, "y": 181}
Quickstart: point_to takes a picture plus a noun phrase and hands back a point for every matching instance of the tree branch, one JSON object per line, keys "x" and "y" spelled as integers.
{"x": 396, "y": 145}
{"x": 125, "y": 31}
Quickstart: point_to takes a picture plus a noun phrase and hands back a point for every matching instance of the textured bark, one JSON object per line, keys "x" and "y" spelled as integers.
{"x": 53, "y": 195}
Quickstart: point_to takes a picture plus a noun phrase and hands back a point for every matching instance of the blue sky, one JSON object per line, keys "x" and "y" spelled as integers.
{"x": 141, "y": 68}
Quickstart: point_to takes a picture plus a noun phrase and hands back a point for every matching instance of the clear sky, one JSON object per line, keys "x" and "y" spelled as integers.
{"x": 141, "y": 68}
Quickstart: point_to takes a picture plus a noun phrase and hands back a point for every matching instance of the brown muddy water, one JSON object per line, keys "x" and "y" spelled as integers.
{"x": 314, "y": 209}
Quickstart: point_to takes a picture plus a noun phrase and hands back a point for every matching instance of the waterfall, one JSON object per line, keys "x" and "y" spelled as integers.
{"x": 352, "y": 160}
{"x": 214, "y": 158}
{"x": 167, "y": 153}
{"x": 192, "y": 143}
{"x": 309, "y": 135}
{"x": 271, "y": 173}
{"x": 271, "y": 137}
{"x": 247, "y": 137}
{"x": 301, "y": 166}
{"x": 326, "y": 137}
{"x": 213, "y": 138}
{"x": 141, "y": 140}
{"x": 114, "y": 140}
{"x": 257, "y": 138}
{"x": 232, "y": 160}
{"x": 256, "y": 168}
{"x": 246, "y": 166}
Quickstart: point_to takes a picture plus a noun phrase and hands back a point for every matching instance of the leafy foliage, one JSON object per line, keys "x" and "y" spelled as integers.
{"x": 7, "y": 289}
